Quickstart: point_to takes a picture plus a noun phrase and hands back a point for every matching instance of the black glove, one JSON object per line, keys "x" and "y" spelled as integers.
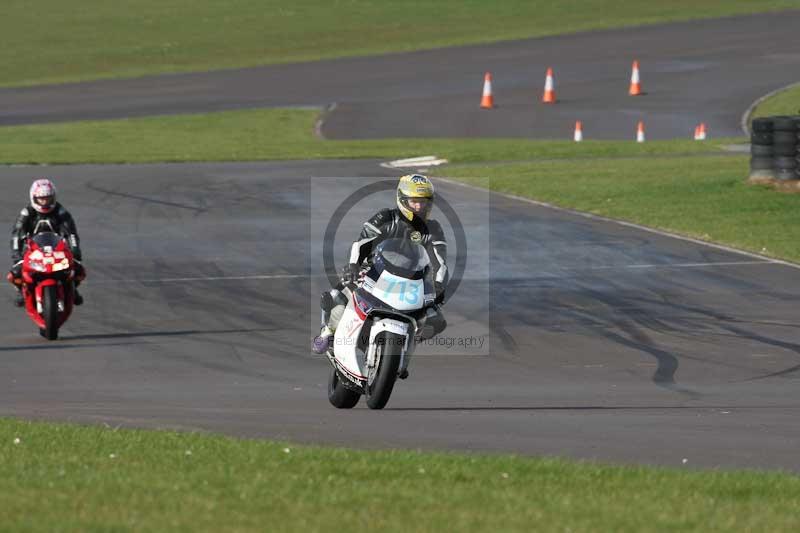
{"x": 14, "y": 275}
{"x": 80, "y": 272}
{"x": 350, "y": 273}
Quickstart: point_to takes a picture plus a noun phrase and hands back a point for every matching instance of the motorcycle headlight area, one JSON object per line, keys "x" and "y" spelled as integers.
{"x": 38, "y": 266}
{"x": 61, "y": 265}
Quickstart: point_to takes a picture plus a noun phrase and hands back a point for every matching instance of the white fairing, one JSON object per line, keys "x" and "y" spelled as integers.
{"x": 400, "y": 293}
{"x": 388, "y": 324}
{"x": 347, "y": 358}
{"x": 345, "y": 341}
{"x": 392, "y": 326}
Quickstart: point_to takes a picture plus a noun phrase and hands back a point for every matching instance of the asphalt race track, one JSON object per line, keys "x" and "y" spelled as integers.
{"x": 704, "y": 71}
{"x": 605, "y": 342}
{"x": 588, "y": 339}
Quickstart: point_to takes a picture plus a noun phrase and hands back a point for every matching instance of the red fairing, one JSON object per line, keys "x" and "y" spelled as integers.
{"x": 357, "y": 306}
{"x": 48, "y": 261}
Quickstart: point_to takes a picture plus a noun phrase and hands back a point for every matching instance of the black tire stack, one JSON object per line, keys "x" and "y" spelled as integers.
{"x": 761, "y": 140}
{"x": 775, "y": 150}
{"x": 784, "y": 148}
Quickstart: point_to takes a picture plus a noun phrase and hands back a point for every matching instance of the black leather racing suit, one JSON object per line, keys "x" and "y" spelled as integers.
{"x": 387, "y": 224}
{"x": 30, "y": 222}
{"x": 390, "y": 223}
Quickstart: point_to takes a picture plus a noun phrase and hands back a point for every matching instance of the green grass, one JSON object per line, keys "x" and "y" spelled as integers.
{"x": 47, "y": 41}
{"x": 71, "y": 478}
{"x": 704, "y": 197}
{"x": 786, "y": 102}
{"x": 272, "y": 134}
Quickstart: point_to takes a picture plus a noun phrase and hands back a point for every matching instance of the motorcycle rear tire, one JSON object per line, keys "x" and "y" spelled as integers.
{"x": 340, "y": 396}
{"x": 389, "y": 351}
{"x": 50, "y": 312}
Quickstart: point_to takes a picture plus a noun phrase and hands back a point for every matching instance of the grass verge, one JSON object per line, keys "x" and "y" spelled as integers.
{"x": 275, "y": 134}
{"x": 100, "y": 479}
{"x": 786, "y": 102}
{"x": 49, "y": 41}
{"x": 703, "y": 197}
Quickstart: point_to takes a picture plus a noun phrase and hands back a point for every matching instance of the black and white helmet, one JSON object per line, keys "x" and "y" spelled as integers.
{"x": 43, "y": 195}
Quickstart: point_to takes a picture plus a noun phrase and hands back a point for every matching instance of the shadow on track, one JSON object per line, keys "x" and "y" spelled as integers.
{"x": 593, "y": 408}
{"x": 630, "y": 315}
{"x": 176, "y": 333}
{"x": 146, "y": 199}
{"x": 60, "y": 346}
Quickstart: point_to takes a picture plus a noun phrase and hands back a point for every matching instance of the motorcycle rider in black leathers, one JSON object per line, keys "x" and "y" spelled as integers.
{"x": 43, "y": 213}
{"x": 415, "y": 195}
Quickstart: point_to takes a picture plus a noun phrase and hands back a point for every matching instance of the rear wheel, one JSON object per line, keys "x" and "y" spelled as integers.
{"x": 380, "y": 380}
{"x": 50, "y": 312}
{"x": 340, "y": 396}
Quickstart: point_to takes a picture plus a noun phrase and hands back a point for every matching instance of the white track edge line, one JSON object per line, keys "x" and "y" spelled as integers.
{"x": 592, "y": 216}
{"x": 209, "y": 278}
{"x": 320, "y": 122}
{"x": 686, "y": 265}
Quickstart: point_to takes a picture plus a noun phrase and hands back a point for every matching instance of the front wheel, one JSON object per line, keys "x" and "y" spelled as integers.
{"x": 50, "y": 312}
{"x": 380, "y": 381}
{"x": 340, "y": 396}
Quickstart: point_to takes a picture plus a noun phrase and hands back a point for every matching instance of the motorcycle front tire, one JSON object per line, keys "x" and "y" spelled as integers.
{"x": 389, "y": 349}
{"x": 50, "y": 312}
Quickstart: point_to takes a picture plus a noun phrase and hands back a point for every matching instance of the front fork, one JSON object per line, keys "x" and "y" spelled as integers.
{"x": 399, "y": 328}
{"x": 59, "y": 291}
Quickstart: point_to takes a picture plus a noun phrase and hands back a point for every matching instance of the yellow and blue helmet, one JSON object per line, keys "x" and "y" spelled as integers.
{"x": 415, "y": 196}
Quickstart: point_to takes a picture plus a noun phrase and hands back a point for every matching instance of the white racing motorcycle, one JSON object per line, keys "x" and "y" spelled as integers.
{"x": 375, "y": 337}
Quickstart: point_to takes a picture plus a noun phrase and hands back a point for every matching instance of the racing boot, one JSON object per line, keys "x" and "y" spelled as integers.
{"x": 14, "y": 277}
{"x": 80, "y": 275}
{"x": 323, "y": 342}
{"x": 19, "y": 301}
{"x": 332, "y": 303}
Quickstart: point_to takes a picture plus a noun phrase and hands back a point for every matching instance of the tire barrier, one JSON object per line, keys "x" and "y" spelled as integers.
{"x": 761, "y": 150}
{"x": 774, "y": 149}
{"x": 784, "y": 147}
{"x": 761, "y": 170}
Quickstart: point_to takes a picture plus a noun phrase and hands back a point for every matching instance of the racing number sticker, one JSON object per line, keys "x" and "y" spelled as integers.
{"x": 410, "y": 296}
{"x": 399, "y": 292}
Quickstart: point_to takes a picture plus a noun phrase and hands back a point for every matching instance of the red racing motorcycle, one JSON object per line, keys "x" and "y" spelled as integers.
{"x": 48, "y": 282}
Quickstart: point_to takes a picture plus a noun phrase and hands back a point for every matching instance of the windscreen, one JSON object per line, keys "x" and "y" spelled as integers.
{"x": 46, "y": 239}
{"x": 402, "y": 257}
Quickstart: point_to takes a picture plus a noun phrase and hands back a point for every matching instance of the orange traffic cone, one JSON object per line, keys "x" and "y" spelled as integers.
{"x": 549, "y": 96}
{"x": 700, "y": 132}
{"x": 487, "y": 101}
{"x": 578, "y": 131}
{"x": 636, "y": 85}
{"x": 640, "y": 132}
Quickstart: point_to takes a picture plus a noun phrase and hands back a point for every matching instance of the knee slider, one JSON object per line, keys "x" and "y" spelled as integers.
{"x": 332, "y": 298}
